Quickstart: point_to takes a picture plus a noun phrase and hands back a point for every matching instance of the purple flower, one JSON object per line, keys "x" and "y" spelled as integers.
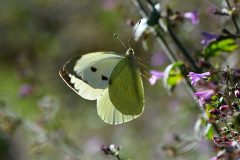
{"x": 204, "y": 96}
{"x": 109, "y": 4}
{"x": 214, "y": 158}
{"x": 208, "y": 37}
{"x": 156, "y": 75}
{"x": 193, "y": 16}
{"x": 26, "y": 90}
{"x": 92, "y": 145}
{"x": 158, "y": 59}
{"x": 195, "y": 77}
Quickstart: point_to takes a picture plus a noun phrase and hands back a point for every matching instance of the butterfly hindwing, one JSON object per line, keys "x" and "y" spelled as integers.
{"x": 126, "y": 87}
{"x": 108, "y": 113}
{"x": 88, "y": 75}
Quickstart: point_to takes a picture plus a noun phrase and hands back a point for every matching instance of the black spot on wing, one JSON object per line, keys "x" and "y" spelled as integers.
{"x": 93, "y": 69}
{"x": 104, "y": 78}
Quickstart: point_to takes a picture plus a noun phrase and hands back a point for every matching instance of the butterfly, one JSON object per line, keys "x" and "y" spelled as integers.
{"x": 114, "y": 81}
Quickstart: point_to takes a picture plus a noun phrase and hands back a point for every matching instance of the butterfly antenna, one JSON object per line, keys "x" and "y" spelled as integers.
{"x": 143, "y": 65}
{"x": 139, "y": 59}
{"x": 130, "y": 39}
{"x": 115, "y": 35}
{"x": 146, "y": 75}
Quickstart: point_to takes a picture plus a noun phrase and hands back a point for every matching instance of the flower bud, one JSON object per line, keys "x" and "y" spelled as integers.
{"x": 224, "y": 108}
{"x": 224, "y": 115}
{"x": 214, "y": 112}
{"x": 217, "y": 140}
{"x": 224, "y": 139}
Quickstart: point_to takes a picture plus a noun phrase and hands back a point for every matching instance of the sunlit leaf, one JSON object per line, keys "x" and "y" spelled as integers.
{"x": 208, "y": 108}
{"x": 172, "y": 75}
{"x": 209, "y": 131}
{"x": 203, "y": 129}
{"x": 220, "y": 45}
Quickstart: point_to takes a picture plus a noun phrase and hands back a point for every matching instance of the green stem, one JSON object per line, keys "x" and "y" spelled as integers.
{"x": 182, "y": 49}
{"x": 164, "y": 45}
{"x": 57, "y": 143}
{"x": 226, "y": 125}
{"x": 151, "y": 3}
{"x": 143, "y": 11}
{"x": 118, "y": 157}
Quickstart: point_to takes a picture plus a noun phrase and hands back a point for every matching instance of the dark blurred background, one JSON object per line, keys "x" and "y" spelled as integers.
{"x": 41, "y": 118}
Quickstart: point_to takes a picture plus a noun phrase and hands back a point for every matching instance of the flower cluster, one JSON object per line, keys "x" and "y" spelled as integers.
{"x": 222, "y": 107}
{"x": 196, "y": 78}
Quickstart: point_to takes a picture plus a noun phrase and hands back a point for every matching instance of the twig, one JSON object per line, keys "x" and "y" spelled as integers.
{"x": 65, "y": 148}
{"x": 233, "y": 17}
{"x": 182, "y": 49}
{"x": 141, "y": 8}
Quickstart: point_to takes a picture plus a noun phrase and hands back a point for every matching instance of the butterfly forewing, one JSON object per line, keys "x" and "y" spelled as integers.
{"x": 95, "y": 68}
{"x": 89, "y": 74}
{"x": 126, "y": 87}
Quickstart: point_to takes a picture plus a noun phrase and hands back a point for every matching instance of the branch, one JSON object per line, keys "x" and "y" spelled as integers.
{"x": 56, "y": 143}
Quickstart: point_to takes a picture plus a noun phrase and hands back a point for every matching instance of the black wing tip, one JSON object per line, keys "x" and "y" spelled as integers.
{"x": 62, "y": 72}
{"x": 66, "y": 77}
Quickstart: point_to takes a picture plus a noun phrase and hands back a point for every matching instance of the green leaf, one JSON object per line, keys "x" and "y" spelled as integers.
{"x": 203, "y": 128}
{"x": 172, "y": 75}
{"x": 209, "y": 131}
{"x": 220, "y": 45}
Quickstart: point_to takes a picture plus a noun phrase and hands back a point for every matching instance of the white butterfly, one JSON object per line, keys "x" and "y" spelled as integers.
{"x": 113, "y": 80}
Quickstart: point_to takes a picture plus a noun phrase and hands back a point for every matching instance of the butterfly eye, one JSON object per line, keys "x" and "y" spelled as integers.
{"x": 131, "y": 51}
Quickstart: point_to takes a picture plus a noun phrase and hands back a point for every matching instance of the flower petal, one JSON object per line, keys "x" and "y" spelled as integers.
{"x": 193, "y": 16}
{"x": 156, "y": 75}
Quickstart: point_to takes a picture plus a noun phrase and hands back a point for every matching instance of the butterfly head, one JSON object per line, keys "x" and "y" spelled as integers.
{"x": 130, "y": 52}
